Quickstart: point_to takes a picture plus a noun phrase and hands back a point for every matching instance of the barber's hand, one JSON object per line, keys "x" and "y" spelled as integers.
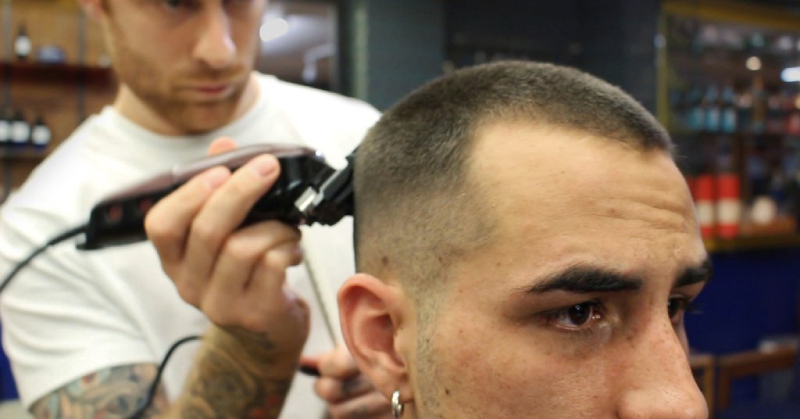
{"x": 235, "y": 276}
{"x": 345, "y": 389}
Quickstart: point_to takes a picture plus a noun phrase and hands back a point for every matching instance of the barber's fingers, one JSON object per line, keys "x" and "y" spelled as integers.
{"x": 224, "y": 211}
{"x": 368, "y": 406}
{"x": 221, "y": 145}
{"x": 338, "y": 363}
{"x": 167, "y": 224}
{"x": 333, "y": 390}
{"x": 250, "y": 271}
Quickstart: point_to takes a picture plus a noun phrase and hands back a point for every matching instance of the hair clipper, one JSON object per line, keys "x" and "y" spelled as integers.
{"x": 307, "y": 191}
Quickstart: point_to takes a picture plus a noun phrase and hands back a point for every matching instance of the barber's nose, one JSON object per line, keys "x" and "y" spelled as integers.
{"x": 215, "y": 47}
{"x": 658, "y": 382}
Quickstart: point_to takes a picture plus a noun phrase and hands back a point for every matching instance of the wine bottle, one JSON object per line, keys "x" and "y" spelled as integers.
{"x": 40, "y": 134}
{"x": 22, "y": 45}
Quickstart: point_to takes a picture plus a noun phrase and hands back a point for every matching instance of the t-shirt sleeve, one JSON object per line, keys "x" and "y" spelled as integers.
{"x": 57, "y": 323}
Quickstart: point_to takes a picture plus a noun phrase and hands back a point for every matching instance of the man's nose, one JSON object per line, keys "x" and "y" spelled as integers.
{"x": 215, "y": 46}
{"x": 657, "y": 381}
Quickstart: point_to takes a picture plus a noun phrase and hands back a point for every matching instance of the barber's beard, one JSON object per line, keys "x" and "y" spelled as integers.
{"x": 158, "y": 90}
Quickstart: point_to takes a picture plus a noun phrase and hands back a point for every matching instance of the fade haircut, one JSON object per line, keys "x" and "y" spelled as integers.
{"x": 416, "y": 209}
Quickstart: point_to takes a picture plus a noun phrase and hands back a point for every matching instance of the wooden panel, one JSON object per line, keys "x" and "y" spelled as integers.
{"x": 55, "y": 92}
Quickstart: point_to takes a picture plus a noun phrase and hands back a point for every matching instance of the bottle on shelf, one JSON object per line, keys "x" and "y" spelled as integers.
{"x": 704, "y": 186}
{"x": 20, "y": 130}
{"x": 711, "y": 107}
{"x": 40, "y": 134}
{"x": 22, "y": 44}
{"x": 793, "y": 115}
{"x": 696, "y": 120}
{"x": 729, "y": 121}
{"x": 5, "y": 127}
{"x": 758, "y": 121}
{"x": 728, "y": 192}
{"x": 744, "y": 110}
{"x": 775, "y": 113}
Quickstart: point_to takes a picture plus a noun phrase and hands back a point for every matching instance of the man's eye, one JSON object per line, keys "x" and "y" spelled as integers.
{"x": 677, "y": 307}
{"x": 177, "y": 4}
{"x": 576, "y": 316}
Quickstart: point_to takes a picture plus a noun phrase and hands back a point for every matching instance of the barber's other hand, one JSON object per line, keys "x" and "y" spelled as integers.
{"x": 235, "y": 276}
{"x": 348, "y": 393}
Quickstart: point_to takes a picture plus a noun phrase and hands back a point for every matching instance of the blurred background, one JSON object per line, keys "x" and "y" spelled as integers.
{"x": 722, "y": 76}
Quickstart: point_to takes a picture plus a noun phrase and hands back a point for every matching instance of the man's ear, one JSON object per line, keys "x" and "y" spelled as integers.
{"x": 95, "y": 9}
{"x": 371, "y": 314}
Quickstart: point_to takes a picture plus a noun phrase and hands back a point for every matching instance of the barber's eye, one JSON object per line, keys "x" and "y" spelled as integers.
{"x": 576, "y": 316}
{"x": 178, "y": 4}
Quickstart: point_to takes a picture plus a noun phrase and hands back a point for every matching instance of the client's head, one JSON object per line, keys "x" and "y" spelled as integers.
{"x": 527, "y": 249}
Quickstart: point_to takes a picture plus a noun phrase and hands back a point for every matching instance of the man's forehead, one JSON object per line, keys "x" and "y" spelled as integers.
{"x": 535, "y": 165}
{"x": 567, "y": 195}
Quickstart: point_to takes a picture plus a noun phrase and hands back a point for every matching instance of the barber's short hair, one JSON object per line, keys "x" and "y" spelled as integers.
{"x": 415, "y": 208}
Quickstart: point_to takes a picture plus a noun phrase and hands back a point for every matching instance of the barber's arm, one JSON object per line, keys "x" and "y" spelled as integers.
{"x": 237, "y": 278}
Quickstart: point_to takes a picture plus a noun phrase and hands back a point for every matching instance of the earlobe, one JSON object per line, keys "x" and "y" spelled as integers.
{"x": 371, "y": 315}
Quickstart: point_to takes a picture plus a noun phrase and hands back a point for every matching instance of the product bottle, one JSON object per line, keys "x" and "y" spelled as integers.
{"x": 727, "y": 189}
{"x": 793, "y": 119}
{"x": 775, "y": 118}
{"x": 5, "y": 128}
{"x": 22, "y": 45}
{"x": 20, "y": 130}
{"x": 712, "y": 109}
{"x": 744, "y": 110}
{"x": 759, "y": 116}
{"x": 696, "y": 112}
{"x": 40, "y": 134}
{"x": 729, "y": 113}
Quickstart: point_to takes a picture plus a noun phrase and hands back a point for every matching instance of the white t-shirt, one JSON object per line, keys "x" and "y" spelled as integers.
{"x": 71, "y": 312}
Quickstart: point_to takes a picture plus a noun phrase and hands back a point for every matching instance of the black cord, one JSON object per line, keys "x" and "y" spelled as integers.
{"x": 151, "y": 394}
{"x": 55, "y": 240}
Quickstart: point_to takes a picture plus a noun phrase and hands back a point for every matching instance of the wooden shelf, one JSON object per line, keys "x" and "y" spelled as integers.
{"x": 752, "y": 243}
{"x": 57, "y": 73}
{"x": 27, "y": 154}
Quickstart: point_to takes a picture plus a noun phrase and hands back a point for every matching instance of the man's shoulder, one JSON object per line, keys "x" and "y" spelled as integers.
{"x": 312, "y": 102}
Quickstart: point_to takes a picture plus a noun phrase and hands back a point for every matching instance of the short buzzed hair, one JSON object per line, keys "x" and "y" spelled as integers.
{"x": 417, "y": 210}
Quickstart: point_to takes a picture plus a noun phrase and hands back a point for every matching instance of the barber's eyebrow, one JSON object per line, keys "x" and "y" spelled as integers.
{"x": 695, "y": 274}
{"x": 585, "y": 279}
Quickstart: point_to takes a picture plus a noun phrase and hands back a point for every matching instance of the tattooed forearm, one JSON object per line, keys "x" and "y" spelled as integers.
{"x": 232, "y": 379}
{"x": 113, "y": 393}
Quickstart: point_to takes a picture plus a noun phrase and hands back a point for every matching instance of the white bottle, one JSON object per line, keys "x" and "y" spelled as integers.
{"x": 5, "y": 129}
{"x": 40, "y": 134}
{"x": 23, "y": 45}
{"x": 20, "y": 131}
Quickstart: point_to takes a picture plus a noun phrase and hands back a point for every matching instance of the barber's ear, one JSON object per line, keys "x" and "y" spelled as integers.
{"x": 371, "y": 314}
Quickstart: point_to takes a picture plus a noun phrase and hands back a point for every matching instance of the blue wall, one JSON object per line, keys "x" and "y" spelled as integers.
{"x": 752, "y": 295}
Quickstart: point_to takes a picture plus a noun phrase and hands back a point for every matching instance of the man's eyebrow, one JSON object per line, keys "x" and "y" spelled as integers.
{"x": 695, "y": 274}
{"x": 585, "y": 280}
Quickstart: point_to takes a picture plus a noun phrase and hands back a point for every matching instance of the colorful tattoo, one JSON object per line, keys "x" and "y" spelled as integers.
{"x": 113, "y": 393}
